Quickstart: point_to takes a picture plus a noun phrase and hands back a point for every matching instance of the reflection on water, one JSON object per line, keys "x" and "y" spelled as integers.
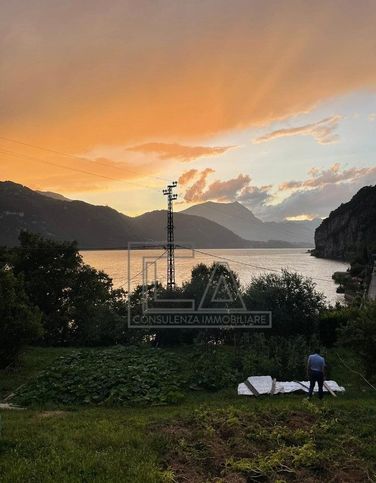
{"x": 246, "y": 262}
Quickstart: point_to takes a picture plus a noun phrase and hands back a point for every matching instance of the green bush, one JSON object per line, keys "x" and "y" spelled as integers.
{"x": 332, "y": 320}
{"x": 360, "y": 334}
{"x": 280, "y": 357}
{"x": 20, "y": 322}
{"x": 116, "y": 376}
{"x": 213, "y": 368}
{"x": 216, "y": 367}
{"x": 293, "y": 300}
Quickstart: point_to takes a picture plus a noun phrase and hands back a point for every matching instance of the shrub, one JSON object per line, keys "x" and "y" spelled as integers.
{"x": 213, "y": 368}
{"x": 216, "y": 367}
{"x": 115, "y": 376}
{"x": 20, "y": 323}
{"x": 280, "y": 357}
{"x": 360, "y": 334}
{"x": 331, "y": 321}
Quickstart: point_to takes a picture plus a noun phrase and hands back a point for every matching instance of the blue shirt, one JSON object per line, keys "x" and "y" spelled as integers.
{"x": 316, "y": 363}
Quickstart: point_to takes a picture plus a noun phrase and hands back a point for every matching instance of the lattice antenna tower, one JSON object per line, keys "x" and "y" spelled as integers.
{"x": 170, "y": 248}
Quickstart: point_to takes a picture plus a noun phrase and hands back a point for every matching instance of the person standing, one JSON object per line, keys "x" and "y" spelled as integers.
{"x": 316, "y": 372}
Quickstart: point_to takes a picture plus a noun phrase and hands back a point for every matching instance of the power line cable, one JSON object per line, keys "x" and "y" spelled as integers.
{"x": 77, "y": 170}
{"x": 73, "y": 156}
{"x": 144, "y": 269}
{"x": 260, "y": 267}
{"x": 80, "y": 158}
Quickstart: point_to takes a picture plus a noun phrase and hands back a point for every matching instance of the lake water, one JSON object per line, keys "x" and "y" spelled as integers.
{"x": 246, "y": 262}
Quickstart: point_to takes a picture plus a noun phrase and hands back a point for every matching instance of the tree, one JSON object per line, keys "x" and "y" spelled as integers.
{"x": 218, "y": 282}
{"x": 20, "y": 322}
{"x": 206, "y": 281}
{"x": 97, "y": 311}
{"x": 78, "y": 303}
{"x": 293, "y": 300}
{"x": 215, "y": 286}
{"x": 48, "y": 268}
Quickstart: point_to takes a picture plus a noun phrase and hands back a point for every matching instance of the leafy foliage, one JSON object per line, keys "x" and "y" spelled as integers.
{"x": 281, "y": 357}
{"x": 20, "y": 322}
{"x": 116, "y": 376}
{"x": 360, "y": 334}
{"x": 293, "y": 300}
{"x": 332, "y": 320}
{"x": 78, "y": 303}
{"x": 144, "y": 375}
{"x": 215, "y": 367}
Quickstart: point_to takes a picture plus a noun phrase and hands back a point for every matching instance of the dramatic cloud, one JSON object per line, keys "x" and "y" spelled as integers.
{"x": 318, "y": 202}
{"x": 332, "y": 175}
{"x": 187, "y": 177}
{"x": 77, "y": 74}
{"x": 322, "y": 131}
{"x": 324, "y": 191}
{"x": 226, "y": 190}
{"x": 194, "y": 193}
{"x": 314, "y": 197}
{"x": 254, "y": 196}
{"x": 179, "y": 152}
{"x": 89, "y": 79}
{"x": 235, "y": 189}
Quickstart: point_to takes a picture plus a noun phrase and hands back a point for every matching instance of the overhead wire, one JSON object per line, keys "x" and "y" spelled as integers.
{"x": 74, "y": 156}
{"x": 145, "y": 268}
{"x": 80, "y": 158}
{"x": 260, "y": 267}
{"x": 28, "y": 156}
{"x": 69, "y": 168}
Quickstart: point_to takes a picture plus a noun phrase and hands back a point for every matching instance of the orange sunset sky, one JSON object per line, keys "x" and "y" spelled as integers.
{"x": 270, "y": 103}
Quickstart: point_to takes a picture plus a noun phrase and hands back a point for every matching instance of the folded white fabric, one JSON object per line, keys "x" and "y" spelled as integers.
{"x": 256, "y": 385}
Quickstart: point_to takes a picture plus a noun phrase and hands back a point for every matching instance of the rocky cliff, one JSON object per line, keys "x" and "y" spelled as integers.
{"x": 350, "y": 229}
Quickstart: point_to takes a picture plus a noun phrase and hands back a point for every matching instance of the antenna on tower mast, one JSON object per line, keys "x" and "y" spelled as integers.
{"x": 170, "y": 235}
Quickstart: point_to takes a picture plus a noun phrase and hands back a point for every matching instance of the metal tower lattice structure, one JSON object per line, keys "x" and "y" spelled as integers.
{"x": 170, "y": 248}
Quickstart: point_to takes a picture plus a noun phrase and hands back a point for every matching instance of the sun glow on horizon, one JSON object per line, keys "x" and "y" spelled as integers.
{"x": 122, "y": 101}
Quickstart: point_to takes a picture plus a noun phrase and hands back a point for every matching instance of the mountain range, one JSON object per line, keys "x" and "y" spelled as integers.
{"x": 239, "y": 219}
{"x": 102, "y": 227}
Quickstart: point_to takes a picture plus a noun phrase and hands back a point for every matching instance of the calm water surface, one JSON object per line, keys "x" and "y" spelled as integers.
{"x": 115, "y": 264}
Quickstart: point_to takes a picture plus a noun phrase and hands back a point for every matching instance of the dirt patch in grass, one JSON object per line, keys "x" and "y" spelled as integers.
{"x": 237, "y": 446}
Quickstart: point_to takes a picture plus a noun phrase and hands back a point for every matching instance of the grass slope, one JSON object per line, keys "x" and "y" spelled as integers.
{"x": 208, "y": 437}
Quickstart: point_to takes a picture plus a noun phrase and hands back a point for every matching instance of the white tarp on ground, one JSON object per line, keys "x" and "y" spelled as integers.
{"x": 264, "y": 385}
{"x": 9, "y": 406}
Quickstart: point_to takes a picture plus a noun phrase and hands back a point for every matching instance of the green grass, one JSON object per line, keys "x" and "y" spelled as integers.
{"x": 164, "y": 444}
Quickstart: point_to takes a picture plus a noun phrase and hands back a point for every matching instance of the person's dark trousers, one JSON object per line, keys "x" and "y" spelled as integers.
{"x": 316, "y": 376}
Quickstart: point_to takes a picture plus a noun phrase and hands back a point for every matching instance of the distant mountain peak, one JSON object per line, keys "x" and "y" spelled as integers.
{"x": 213, "y": 208}
{"x": 238, "y": 218}
{"x": 208, "y": 225}
{"x": 55, "y": 196}
{"x": 98, "y": 226}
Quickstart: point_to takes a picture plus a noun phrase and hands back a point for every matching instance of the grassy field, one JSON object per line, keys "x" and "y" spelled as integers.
{"x": 208, "y": 437}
